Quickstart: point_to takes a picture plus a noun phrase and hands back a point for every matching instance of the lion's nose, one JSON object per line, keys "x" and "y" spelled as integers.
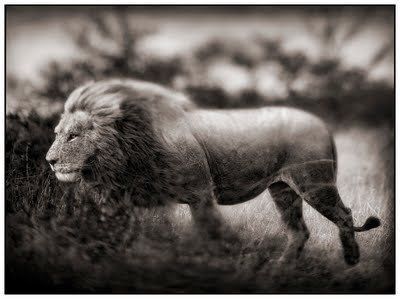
{"x": 51, "y": 161}
{"x": 51, "y": 157}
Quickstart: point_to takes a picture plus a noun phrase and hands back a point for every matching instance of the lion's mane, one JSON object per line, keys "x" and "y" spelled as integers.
{"x": 129, "y": 157}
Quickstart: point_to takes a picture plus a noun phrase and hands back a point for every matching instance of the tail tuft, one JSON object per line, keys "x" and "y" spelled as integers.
{"x": 370, "y": 223}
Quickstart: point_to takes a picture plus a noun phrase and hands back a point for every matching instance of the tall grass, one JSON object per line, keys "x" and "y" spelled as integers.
{"x": 82, "y": 246}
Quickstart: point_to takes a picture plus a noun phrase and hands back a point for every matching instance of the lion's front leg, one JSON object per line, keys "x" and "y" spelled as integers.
{"x": 207, "y": 219}
{"x": 209, "y": 223}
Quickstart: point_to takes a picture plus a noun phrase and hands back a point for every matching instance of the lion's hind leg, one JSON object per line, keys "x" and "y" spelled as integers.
{"x": 289, "y": 205}
{"x": 316, "y": 184}
{"x": 327, "y": 201}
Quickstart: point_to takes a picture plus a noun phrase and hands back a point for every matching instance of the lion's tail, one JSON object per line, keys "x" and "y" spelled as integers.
{"x": 370, "y": 223}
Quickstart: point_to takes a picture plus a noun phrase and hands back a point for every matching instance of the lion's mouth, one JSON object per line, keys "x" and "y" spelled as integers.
{"x": 65, "y": 174}
{"x": 71, "y": 176}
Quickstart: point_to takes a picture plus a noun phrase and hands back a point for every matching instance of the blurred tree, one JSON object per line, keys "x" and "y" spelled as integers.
{"x": 332, "y": 28}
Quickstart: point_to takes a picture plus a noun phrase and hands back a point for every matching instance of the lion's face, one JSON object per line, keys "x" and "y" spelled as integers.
{"x": 73, "y": 147}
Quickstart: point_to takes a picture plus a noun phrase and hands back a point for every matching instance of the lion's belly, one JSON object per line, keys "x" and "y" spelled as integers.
{"x": 239, "y": 177}
{"x": 227, "y": 194}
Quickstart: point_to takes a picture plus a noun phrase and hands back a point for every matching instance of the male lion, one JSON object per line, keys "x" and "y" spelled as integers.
{"x": 121, "y": 137}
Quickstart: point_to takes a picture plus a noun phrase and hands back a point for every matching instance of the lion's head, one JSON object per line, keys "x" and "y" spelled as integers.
{"x": 73, "y": 146}
{"x": 106, "y": 138}
{"x": 87, "y": 131}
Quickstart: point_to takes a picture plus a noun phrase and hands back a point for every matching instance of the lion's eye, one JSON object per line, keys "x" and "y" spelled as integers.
{"x": 72, "y": 137}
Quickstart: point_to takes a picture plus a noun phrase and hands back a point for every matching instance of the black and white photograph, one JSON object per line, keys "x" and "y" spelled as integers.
{"x": 199, "y": 149}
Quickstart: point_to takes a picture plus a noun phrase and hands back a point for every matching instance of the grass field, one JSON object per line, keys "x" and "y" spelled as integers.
{"x": 62, "y": 244}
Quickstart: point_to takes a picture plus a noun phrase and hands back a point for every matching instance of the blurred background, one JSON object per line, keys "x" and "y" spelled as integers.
{"x": 338, "y": 59}
{"x": 335, "y": 61}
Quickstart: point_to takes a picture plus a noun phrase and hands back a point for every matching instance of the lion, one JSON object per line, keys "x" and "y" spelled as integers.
{"x": 121, "y": 137}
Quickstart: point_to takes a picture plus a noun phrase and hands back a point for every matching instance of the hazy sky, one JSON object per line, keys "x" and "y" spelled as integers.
{"x": 37, "y": 34}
